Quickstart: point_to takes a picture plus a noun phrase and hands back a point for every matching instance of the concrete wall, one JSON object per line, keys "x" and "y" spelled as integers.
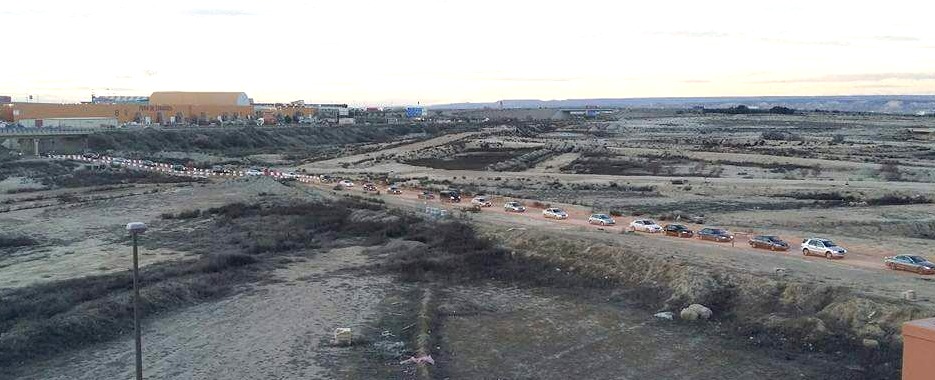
{"x": 82, "y": 123}
{"x": 60, "y": 145}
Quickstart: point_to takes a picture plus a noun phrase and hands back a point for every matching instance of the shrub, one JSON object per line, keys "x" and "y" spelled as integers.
{"x": 189, "y": 214}
{"x": 616, "y": 213}
{"x": 16, "y": 241}
{"x": 890, "y": 171}
{"x": 221, "y": 261}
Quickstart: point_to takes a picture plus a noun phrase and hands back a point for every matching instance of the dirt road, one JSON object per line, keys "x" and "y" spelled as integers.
{"x": 441, "y": 140}
{"x": 862, "y": 268}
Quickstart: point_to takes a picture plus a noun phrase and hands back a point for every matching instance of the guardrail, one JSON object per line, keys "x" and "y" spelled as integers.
{"x": 31, "y": 132}
{"x": 189, "y": 172}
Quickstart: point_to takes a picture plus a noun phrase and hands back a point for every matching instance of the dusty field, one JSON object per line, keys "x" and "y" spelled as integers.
{"x": 541, "y": 298}
{"x": 273, "y": 331}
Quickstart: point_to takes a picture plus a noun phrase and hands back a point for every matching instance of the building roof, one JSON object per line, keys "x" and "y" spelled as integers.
{"x": 200, "y": 98}
{"x": 119, "y": 99}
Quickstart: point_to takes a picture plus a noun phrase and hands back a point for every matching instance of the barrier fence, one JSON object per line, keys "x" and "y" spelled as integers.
{"x": 185, "y": 171}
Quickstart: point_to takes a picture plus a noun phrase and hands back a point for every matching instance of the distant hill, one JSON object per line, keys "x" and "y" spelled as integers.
{"x": 895, "y": 104}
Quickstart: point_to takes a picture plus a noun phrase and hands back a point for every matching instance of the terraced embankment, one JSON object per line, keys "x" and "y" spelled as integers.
{"x": 774, "y": 310}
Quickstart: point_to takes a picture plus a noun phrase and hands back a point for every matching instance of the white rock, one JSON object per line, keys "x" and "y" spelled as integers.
{"x": 695, "y": 311}
{"x": 667, "y": 315}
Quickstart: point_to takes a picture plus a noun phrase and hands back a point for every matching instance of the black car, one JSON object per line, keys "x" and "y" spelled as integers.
{"x": 452, "y": 196}
{"x": 715, "y": 234}
{"x": 770, "y": 242}
{"x": 677, "y": 230}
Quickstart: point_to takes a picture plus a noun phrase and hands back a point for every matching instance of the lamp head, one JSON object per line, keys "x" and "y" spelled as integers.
{"x": 136, "y": 227}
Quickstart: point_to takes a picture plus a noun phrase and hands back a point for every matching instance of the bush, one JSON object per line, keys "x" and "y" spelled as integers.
{"x": 775, "y": 135}
{"x": 616, "y": 213}
{"x": 189, "y": 214}
{"x": 221, "y": 261}
{"x": 890, "y": 171}
{"x": 16, "y": 241}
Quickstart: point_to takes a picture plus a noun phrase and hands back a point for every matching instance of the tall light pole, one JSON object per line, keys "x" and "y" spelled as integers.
{"x": 135, "y": 229}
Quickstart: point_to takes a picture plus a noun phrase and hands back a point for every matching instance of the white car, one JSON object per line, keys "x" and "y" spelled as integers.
{"x": 601, "y": 219}
{"x": 822, "y": 247}
{"x": 481, "y": 201}
{"x": 346, "y": 183}
{"x": 514, "y": 207}
{"x": 645, "y": 225}
{"x": 554, "y": 213}
{"x": 290, "y": 175}
{"x": 253, "y": 172}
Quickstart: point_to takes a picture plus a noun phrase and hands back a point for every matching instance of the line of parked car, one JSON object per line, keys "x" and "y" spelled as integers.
{"x": 815, "y": 246}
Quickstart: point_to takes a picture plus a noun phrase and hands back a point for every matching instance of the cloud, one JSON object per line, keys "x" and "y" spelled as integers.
{"x": 867, "y": 77}
{"x": 219, "y": 13}
{"x": 896, "y": 38}
{"x": 711, "y": 34}
{"x": 522, "y": 79}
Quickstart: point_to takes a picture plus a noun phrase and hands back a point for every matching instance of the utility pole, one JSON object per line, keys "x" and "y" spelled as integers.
{"x": 135, "y": 229}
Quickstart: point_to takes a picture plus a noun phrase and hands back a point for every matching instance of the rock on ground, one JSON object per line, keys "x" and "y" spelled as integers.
{"x": 694, "y": 312}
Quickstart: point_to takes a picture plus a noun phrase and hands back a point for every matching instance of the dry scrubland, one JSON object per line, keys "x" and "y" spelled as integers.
{"x": 246, "y": 278}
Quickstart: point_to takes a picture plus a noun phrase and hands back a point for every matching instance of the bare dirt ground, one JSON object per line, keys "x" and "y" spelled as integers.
{"x": 278, "y": 330}
{"x": 529, "y": 333}
{"x": 88, "y": 237}
{"x": 796, "y": 176}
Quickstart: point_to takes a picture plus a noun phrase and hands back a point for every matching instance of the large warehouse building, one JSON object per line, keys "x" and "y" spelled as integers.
{"x": 165, "y": 108}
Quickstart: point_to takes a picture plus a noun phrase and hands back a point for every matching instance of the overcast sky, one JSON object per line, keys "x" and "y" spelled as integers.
{"x": 380, "y": 52}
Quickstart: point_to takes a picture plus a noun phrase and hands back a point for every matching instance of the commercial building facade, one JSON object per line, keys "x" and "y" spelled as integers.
{"x": 164, "y": 108}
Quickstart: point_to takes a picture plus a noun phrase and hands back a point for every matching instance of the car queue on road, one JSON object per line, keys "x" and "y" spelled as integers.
{"x": 814, "y": 246}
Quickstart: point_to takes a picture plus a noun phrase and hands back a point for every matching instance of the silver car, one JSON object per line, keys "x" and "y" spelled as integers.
{"x": 555, "y": 213}
{"x": 910, "y": 263}
{"x": 822, "y": 247}
{"x": 514, "y": 207}
{"x": 601, "y": 219}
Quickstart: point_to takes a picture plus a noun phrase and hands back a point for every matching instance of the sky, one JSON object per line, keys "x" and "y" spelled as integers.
{"x": 379, "y": 52}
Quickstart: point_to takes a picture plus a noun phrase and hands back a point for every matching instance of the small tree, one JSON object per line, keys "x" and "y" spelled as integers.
{"x": 890, "y": 171}
{"x": 654, "y": 167}
{"x": 838, "y": 139}
{"x": 816, "y": 170}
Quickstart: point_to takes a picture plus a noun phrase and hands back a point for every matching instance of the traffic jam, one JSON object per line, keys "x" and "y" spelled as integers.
{"x": 809, "y": 246}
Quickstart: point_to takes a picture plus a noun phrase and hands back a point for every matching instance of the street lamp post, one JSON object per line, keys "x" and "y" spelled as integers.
{"x": 135, "y": 229}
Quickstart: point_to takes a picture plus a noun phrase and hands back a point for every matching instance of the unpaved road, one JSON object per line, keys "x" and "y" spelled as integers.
{"x": 862, "y": 269}
{"x": 441, "y": 140}
{"x": 273, "y": 331}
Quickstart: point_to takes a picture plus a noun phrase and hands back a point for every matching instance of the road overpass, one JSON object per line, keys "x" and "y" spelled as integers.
{"x": 37, "y": 140}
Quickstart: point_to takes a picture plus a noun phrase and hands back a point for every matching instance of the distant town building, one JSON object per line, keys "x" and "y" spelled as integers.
{"x": 417, "y": 112}
{"x": 119, "y": 99}
{"x": 165, "y": 108}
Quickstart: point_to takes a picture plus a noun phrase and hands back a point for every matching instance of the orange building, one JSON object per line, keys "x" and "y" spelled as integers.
{"x": 163, "y": 108}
